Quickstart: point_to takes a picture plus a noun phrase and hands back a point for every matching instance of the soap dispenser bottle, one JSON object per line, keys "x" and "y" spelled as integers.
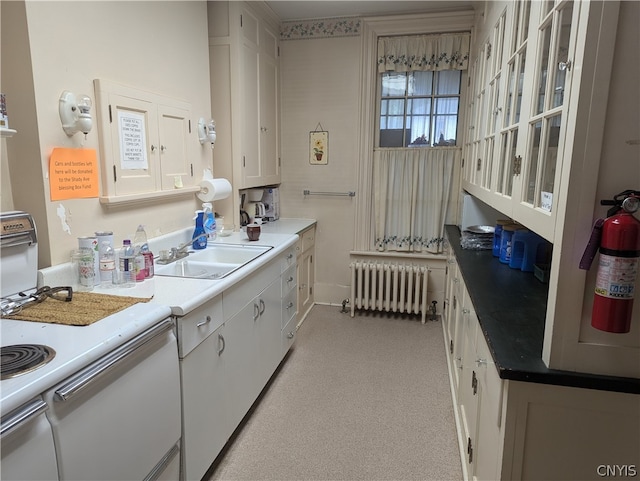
{"x": 199, "y": 238}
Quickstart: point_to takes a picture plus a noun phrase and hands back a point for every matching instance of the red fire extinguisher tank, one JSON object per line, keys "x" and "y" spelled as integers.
{"x": 617, "y": 273}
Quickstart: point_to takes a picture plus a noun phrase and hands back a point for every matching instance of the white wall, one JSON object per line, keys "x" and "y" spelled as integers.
{"x": 48, "y": 47}
{"x": 321, "y": 85}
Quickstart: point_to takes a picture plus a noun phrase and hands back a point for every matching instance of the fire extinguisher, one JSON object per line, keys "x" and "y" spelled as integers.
{"x": 617, "y": 238}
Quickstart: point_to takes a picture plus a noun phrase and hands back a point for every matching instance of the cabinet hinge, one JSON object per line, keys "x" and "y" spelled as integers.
{"x": 110, "y": 116}
{"x": 310, "y": 259}
{"x": 451, "y": 346}
{"x": 470, "y": 450}
{"x": 240, "y": 21}
{"x": 191, "y": 170}
{"x": 474, "y": 383}
{"x": 479, "y": 167}
{"x": 189, "y": 125}
{"x": 517, "y": 165}
{"x": 311, "y": 291}
{"x": 115, "y": 177}
{"x": 278, "y": 50}
{"x": 463, "y": 162}
{"x": 244, "y": 161}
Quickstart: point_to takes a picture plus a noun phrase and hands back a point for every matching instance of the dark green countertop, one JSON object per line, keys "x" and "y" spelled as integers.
{"x": 511, "y": 309}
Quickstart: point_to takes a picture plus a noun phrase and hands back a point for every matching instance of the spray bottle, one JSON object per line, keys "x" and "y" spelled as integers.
{"x": 199, "y": 238}
{"x": 209, "y": 223}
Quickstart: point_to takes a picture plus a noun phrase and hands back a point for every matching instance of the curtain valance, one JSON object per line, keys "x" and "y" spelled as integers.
{"x": 424, "y": 52}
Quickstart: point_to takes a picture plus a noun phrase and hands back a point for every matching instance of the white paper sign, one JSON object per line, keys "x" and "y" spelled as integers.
{"x": 133, "y": 142}
{"x": 546, "y": 201}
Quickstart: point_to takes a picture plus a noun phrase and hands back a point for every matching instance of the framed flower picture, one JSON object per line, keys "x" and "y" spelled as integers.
{"x": 319, "y": 147}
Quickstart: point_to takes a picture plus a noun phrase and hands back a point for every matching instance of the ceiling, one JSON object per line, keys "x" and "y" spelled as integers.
{"x": 288, "y": 10}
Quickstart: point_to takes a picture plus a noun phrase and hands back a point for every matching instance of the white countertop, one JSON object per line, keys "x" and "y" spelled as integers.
{"x": 77, "y": 346}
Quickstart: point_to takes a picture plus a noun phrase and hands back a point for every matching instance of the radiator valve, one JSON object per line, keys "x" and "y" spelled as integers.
{"x": 344, "y": 305}
{"x": 432, "y": 309}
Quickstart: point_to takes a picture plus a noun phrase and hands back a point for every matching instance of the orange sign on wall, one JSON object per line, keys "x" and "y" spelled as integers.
{"x": 73, "y": 174}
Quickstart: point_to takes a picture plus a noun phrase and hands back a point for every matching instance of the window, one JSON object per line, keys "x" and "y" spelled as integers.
{"x": 419, "y": 108}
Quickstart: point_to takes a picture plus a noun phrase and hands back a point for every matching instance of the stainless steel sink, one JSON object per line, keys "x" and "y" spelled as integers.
{"x": 196, "y": 269}
{"x": 214, "y": 262}
{"x": 230, "y": 253}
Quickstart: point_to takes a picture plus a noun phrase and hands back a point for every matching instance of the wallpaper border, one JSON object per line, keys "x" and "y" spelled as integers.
{"x": 321, "y": 28}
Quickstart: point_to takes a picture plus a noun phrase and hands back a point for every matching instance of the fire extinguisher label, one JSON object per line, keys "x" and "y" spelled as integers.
{"x": 616, "y": 276}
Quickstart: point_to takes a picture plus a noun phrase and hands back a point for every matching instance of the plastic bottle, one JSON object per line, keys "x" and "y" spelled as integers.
{"x": 209, "y": 222}
{"x": 140, "y": 246}
{"x": 199, "y": 238}
{"x": 107, "y": 263}
{"x": 127, "y": 263}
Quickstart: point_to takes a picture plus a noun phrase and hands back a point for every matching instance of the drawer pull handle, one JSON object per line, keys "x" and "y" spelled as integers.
{"x": 222, "y": 342}
{"x": 206, "y": 321}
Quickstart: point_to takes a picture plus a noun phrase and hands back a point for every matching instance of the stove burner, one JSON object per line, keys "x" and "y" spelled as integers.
{"x": 22, "y": 358}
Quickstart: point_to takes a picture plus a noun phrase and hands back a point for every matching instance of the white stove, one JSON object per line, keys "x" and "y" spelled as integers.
{"x": 86, "y": 385}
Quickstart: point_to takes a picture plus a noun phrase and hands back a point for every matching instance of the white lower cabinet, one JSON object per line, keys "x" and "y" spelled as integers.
{"x": 229, "y": 349}
{"x": 519, "y": 430}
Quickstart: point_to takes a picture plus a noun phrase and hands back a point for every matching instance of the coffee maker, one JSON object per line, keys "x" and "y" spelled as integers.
{"x": 255, "y": 207}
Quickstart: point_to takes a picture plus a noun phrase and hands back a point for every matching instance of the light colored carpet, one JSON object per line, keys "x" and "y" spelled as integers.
{"x": 366, "y": 398}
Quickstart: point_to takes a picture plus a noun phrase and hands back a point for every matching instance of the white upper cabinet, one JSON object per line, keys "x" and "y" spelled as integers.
{"x": 244, "y": 51}
{"x": 527, "y": 63}
{"x": 145, "y": 143}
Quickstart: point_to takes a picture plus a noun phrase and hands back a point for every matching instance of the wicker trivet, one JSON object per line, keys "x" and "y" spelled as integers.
{"x": 85, "y": 308}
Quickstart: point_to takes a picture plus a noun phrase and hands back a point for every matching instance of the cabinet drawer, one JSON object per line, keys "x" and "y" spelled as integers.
{"x": 196, "y": 326}
{"x": 308, "y": 238}
{"x": 289, "y": 280}
{"x": 288, "y": 259}
{"x": 239, "y": 295}
{"x": 288, "y": 335}
{"x": 289, "y": 307}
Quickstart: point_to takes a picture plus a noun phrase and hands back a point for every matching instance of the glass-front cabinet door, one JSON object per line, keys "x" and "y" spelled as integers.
{"x": 511, "y": 137}
{"x": 522, "y": 80}
{"x": 543, "y": 153}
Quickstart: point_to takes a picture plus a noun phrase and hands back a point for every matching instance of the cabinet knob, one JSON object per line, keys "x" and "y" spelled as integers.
{"x": 163, "y": 148}
{"x": 562, "y": 66}
{"x": 207, "y": 320}
{"x": 290, "y": 279}
{"x": 153, "y": 148}
{"x": 290, "y": 305}
{"x": 481, "y": 362}
{"x": 290, "y": 335}
{"x": 466, "y": 311}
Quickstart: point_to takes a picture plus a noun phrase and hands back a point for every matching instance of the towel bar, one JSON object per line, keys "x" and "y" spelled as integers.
{"x": 344, "y": 194}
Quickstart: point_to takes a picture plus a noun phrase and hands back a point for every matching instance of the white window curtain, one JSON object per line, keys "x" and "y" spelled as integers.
{"x": 424, "y": 52}
{"x": 411, "y": 192}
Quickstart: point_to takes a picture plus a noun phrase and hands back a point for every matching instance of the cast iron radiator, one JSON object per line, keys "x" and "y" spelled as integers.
{"x": 389, "y": 287}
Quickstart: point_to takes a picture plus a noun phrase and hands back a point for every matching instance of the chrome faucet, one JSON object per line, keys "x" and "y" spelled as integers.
{"x": 174, "y": 254}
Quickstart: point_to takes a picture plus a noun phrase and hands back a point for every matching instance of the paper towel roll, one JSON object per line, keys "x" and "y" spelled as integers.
{"x": 214, "y": 189}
